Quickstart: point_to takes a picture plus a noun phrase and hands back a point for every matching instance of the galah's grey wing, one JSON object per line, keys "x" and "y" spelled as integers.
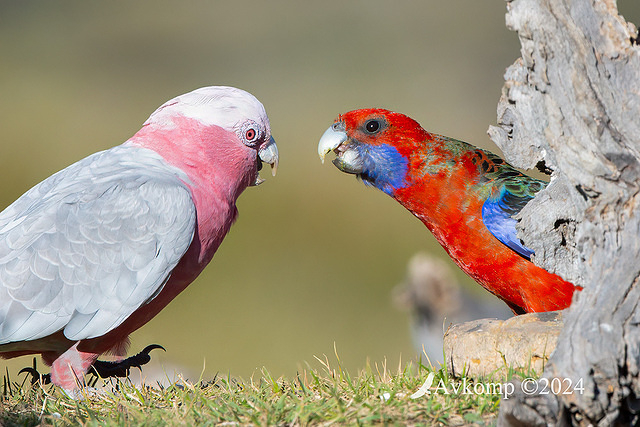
{"x": 82, "y": 250}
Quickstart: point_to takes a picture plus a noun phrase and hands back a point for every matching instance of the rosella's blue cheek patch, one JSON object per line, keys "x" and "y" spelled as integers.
{"x": 384, "y": 167}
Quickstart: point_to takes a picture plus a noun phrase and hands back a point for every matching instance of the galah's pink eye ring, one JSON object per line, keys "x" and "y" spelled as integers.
{"x": 250, "y": 133}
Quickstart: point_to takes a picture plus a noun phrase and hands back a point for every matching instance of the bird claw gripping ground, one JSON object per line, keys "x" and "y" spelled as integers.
{"x": 35, "y": 375}
{"x": 121, "y": 369}
{"x": 100, "y": 368}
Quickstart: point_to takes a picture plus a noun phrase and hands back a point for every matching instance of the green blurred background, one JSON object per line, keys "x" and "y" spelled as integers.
{"x": 314, "y": 255}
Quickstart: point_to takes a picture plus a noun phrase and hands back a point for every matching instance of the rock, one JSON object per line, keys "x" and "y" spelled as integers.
{"x": 486, "y": 347}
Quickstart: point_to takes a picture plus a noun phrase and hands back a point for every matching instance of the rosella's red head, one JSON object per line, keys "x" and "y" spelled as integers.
{"x": 374, "y": 144}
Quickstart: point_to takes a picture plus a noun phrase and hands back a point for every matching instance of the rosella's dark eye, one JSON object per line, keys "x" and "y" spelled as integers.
{"x": 250, "y": 135}
{"x": 372, "y": 126}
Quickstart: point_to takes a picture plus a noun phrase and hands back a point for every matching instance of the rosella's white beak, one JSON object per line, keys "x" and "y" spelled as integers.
{"x": 331, "y": 139}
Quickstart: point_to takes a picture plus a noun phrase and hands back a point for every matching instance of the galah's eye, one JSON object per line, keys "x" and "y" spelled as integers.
{"x": 250, "y": 133}
{"x": 372, "y": 126}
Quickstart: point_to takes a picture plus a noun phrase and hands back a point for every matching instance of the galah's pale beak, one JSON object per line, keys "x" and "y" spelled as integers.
{"x": 348, "y": 157}
{"x": 268, "y": 154}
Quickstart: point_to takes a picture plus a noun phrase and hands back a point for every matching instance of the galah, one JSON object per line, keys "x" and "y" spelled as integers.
{"x": 95, "y": 251}
{"x": 467, "y": 197}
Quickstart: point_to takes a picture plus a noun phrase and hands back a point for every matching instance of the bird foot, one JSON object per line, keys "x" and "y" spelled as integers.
{"x": 35, "y": 375}
{"x": 104, "y": 369}
{"x": 100, "y": 368}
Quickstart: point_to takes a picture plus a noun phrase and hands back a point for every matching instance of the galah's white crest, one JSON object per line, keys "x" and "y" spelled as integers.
{"x": 96, "y": 250}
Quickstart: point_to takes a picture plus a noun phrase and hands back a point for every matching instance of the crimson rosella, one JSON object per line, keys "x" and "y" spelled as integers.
{"x": 467, "y": 197}
{"x": 96, "y": 250}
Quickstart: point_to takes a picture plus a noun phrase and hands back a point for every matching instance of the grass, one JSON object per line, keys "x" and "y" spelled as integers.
{"x": 328, "y": 395}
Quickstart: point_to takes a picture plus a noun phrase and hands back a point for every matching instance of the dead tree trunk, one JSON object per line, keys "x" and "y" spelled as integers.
{"x": 571, "y": 103}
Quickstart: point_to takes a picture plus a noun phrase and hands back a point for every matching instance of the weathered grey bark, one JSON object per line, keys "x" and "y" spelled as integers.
{"x": 572, "y": 101}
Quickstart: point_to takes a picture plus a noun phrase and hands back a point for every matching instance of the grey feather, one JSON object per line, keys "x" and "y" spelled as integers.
{"x": 85, "y": 248}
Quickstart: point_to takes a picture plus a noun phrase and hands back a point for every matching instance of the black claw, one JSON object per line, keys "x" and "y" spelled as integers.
{"x": 35, "y": 375}
{"x": 121, "y": 369}
{"x": 150, "y": 347}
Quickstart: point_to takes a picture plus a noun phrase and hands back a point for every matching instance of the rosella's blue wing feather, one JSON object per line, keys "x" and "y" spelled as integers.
{"x": 497, "y": 215}
{"x": 514, "y": 191}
